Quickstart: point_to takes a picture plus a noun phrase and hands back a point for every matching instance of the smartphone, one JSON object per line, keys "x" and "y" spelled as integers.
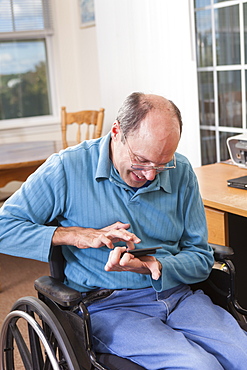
{"x": 140, "y": 252}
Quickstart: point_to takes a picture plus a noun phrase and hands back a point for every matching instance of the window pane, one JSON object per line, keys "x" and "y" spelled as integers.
{"x": 204, "y": 38}
{"x": 23, "y": 79}
{"x": 28, "y": 17}
{"x": 224, "y": 152}
{"x": 246, "y": 89}
{"x": 227, "y": 35}
{"x": 245, "y": 31}
{"x": 208, "y": 147}
{"x": 220, "y": 1}
{"x": 5, "y": 17}
{"x": 201, "y": 3}
{"x": 22, "y": 15}
{"x": 230, "y": 98}
{"x": 206, "y": 98}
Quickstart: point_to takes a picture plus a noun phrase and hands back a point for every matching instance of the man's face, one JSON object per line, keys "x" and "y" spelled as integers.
{"x": 153, "y": 144}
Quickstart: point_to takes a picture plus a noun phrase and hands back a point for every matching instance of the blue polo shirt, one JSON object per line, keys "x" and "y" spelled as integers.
{"x": 80, "y": 187}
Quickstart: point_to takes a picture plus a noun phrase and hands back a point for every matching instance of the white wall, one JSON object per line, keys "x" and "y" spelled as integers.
{"x": 145, "y": 45}
{"x": 76, "y": 57}
{"x": 137, "y": 45}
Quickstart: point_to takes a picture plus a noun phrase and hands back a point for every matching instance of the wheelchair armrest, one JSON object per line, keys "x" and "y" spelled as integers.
{"x": 222, "y": 252}
{"x": 57, "y": 291}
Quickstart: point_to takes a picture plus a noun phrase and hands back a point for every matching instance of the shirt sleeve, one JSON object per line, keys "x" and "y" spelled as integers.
{"x": 195, "y": 259}
{"x": 23, "y": 217}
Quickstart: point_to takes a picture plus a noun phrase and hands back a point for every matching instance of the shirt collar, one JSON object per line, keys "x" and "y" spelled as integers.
{"x": 103, "y": 171}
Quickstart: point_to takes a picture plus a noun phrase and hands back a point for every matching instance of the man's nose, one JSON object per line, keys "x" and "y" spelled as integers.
{"x": 150, "y": 174}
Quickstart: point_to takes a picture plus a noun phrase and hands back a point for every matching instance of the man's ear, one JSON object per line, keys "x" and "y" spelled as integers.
{"x": 115, "y": 130}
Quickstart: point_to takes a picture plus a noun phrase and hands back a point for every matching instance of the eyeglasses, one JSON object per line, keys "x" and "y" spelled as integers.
{"x": 143, "y": 167}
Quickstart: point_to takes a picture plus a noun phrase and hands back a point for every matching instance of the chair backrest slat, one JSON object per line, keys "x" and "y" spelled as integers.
{"x": 85, "y": 117}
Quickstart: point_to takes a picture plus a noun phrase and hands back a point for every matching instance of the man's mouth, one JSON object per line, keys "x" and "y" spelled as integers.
{"x": 139, "y": 177}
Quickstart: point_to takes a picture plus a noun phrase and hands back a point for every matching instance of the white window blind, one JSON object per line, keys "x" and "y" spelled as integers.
{"x": 25, "y": 16}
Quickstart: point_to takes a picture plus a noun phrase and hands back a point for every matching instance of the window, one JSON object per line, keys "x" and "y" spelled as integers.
{"x": 221, "y": 43}
{"x": 25, "y": 32}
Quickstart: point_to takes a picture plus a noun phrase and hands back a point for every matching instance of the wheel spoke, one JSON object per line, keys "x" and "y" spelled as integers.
{"x": 32, "y": 333}
{"x": 36, "y": 351}
{"x": 21, "y": 345}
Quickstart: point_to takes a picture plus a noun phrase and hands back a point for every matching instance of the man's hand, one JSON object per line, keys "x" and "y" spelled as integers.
{"x": 95, "y": 238}
{"x": 142, "y": 265}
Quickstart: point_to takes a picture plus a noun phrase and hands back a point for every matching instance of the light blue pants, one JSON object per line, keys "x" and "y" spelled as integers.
{"x": 174, "y": 329}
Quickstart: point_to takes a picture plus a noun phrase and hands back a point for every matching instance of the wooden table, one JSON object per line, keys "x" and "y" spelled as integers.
{"x": 19, "y": 160}
{"x": 226, "y": 212}
{"x": 219, "y": 199}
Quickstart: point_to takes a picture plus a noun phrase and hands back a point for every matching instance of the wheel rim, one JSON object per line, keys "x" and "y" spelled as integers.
{"x": 14, "y": 316}
{"x": 46, "y": 347}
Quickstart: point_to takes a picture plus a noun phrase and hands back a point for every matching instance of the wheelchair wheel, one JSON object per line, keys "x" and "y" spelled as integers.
{"x": 33, "y": 338}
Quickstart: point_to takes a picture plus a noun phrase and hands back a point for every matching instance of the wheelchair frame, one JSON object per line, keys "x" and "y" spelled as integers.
{"x": 58, "y": 338}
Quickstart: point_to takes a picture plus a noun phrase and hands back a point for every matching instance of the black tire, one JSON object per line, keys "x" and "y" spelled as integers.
{"x": 32, "y": 335}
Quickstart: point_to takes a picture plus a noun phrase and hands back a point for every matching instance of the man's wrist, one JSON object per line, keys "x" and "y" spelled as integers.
{"x": 63, "y": 235}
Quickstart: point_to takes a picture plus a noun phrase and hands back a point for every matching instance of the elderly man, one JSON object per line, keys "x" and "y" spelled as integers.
{"x": 130, "y": 190}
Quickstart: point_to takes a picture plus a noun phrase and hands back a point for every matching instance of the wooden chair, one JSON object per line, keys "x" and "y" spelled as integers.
{"x": 88, "y": 117}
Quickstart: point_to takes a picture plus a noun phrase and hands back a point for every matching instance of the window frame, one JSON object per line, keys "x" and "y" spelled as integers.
{"x": 47, "y": 35}
{"x": 242, "y": 67}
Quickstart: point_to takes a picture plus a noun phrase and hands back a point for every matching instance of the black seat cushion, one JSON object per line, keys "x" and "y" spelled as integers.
{"x": 117, "y": 363}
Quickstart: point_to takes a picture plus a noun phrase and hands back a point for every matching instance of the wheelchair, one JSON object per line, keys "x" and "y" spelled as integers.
{"x": 53, "y": 331}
